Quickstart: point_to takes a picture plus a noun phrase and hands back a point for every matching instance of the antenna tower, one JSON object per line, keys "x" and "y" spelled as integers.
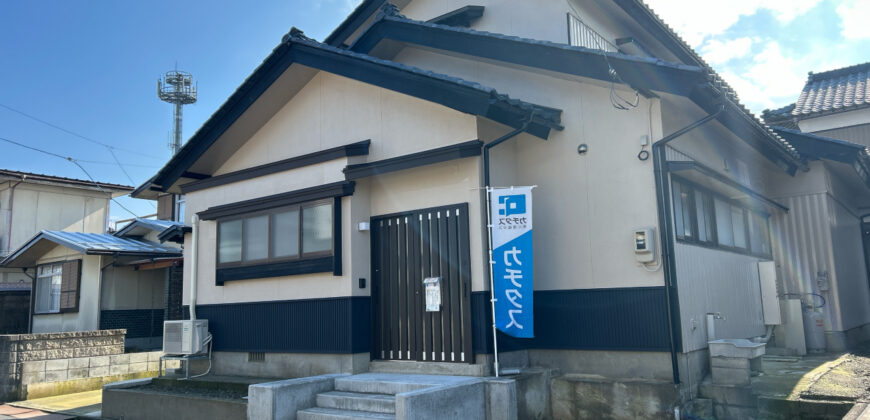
{"x": 177, "y": 88}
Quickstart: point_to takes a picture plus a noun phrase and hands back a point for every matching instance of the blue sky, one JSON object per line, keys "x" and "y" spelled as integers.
{"x": 91, "y": 67}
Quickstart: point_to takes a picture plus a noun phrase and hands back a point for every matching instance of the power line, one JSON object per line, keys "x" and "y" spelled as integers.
{"x": 74, "y": 162}
{"x": 72, "y": 133}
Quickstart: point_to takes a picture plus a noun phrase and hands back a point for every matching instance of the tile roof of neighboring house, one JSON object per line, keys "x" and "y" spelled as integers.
{"x": 148, "y": 224}
{"x": 17, "y": 175}
{"x": 820, "y": 147}
{"x": 832, "y": 91}
{"x": 780, "y": 117}
{"x": 87, "y": 243}
{"x": 453, "y": 92}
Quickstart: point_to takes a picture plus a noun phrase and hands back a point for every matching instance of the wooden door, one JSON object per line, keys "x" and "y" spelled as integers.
{"x": 406, "y": 249}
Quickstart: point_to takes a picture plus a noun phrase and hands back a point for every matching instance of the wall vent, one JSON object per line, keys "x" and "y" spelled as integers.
{"x": 256, "y": 356}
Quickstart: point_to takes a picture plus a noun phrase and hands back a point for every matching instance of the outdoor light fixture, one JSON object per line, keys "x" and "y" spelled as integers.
{"x": 582, "y": 148}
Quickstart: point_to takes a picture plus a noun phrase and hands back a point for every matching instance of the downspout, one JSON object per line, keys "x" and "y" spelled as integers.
{"x": 193, "y": 263}
{"x": 9, "y": 219}
{"x": 486, "y": 148}
{"x": 666, "y": 222}
{"x": 32, "y": 298}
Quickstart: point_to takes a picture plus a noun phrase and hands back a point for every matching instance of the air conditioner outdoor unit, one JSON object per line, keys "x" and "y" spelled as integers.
{"x": 185, "y": 337}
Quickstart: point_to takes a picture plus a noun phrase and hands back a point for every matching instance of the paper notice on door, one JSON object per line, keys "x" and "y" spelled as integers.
{"x": 433, "y": 293}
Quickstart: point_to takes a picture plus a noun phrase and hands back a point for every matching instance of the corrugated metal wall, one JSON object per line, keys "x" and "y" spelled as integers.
{"x": 857, "y": 133}
{"x": 711, "y": 280}
{"x": 820, "y": 235}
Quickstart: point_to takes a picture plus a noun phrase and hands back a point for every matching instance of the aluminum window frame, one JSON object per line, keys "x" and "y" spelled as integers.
{"x": 301, "y": 254}
{"x": 44, "y": 277}
{"x": 714, "y": 242}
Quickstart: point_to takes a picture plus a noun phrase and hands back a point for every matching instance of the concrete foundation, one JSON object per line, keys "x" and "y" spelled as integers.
{"x": 576, "y": 396}
{"x": 124, "y": 401}
{"x": 655, "y": 366}
{"x": 839, "y": 341}
{"x": 286, "y": 365}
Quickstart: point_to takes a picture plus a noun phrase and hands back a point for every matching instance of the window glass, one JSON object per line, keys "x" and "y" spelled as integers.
{"x": 285, "y": 234}
{"x": 317, "y": 228}
{"x": 759, "y": 239}
{"x": 723, "y": 223}
{"x": 230, "y": 246}
{"x": 739, "y": 224}
{"x": 682, "y": 211}
{"x": 704, "y": 215}
{"x": 48, "y": 288}
{"x": 256, "y": 244}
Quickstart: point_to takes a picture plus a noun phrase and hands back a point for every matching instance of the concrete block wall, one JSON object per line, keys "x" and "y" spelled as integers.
{"x": 43, "y": 364}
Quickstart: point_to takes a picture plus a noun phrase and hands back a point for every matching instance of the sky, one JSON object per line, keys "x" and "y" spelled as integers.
{"x": 81, "y": 75}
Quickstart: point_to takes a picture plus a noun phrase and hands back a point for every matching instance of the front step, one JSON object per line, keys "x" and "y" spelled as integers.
{"x": 376, "y": 403}
{"x": 428, "y": 368}
{"x": 320, "y": 413}
{"x": 365, "y": 385}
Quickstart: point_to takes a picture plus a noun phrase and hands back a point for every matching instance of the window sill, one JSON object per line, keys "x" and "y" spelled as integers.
{"x": 285, "y": 268}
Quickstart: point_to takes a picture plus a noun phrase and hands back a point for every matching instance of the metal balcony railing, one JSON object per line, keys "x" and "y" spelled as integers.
{"x": 581, "y": 35}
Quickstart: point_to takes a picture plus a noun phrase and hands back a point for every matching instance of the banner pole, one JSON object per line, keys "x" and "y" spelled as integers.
{"x": 492, "y": 298}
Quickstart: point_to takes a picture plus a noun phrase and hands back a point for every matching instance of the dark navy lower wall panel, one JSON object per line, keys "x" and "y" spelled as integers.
{"x": 330, "y": 325}
{"x": 586, "y": 319}
{"x": 139, "y": 323}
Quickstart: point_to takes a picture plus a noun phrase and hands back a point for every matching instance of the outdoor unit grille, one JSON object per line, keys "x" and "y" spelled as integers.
{"x": 185, "y": 337}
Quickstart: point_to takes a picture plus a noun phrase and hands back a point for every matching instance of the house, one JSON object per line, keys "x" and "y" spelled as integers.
{"x": 341, "y": 174}
{"x": 824, "y": 237}
{"x": 31, "y": 202}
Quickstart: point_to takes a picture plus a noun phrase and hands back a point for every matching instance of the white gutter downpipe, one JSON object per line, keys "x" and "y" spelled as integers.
{"x": 193, "y": 263}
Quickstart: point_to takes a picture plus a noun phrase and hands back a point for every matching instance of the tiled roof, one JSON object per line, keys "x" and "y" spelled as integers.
{"x": 780, "y": 117}
{"x": 59, "y": 179}
{"x": 837, "y": 90}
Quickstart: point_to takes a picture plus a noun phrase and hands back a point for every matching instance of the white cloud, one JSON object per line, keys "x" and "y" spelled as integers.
{"x": 696, "y": 20}
{"x": 719, "y": 52}
{"x": 854, "y": 14}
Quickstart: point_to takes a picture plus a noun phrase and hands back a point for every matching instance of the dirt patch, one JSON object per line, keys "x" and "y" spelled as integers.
{"x": 845, "y": 379}
{"x": 230, "y": 393}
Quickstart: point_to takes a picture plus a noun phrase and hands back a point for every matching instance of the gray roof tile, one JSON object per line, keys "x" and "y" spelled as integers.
{"x": 832, "y": 91}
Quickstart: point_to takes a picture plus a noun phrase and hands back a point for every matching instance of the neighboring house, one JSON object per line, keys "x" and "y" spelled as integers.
{"x": 823, "y": 238}
{"x": 91, "y": 281}
{"x": 341, "y": 174}
{"x": 32, "y": 202}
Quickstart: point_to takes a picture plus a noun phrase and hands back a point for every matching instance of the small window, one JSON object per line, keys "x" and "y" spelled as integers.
{"x": 738, "y": 223}
{"x": 48, "y": 283}
{"x": 724, "y": 229}
{"x": 317, "y": 228}
{"x": 288, "y": 233}
{"x": 704, "y": 216}
{"x": 759, "y": 238}
{"x": 230, "y": 246}
{"x": 682, "y": 211}
{"x": 285, "y": 234}
{"x": 179, "y": 208}
{"x": 57, "y": 287}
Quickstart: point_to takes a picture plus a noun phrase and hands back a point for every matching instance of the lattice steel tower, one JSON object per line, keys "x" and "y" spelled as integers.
{"x": 177, "y": 88}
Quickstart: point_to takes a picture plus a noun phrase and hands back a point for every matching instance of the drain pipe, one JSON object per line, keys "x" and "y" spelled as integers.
{"x": 666, "y": 222}
{"x": 492, "y": 299}
{"x": 193, "y": 264}
{"x": 9, "y": 218}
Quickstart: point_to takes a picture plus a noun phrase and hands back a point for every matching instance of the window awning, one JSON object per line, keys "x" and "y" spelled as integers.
{"x": 706, "y": 176}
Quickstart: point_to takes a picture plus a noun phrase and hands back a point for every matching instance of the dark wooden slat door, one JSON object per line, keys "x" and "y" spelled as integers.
{"x": 407, "y": 248}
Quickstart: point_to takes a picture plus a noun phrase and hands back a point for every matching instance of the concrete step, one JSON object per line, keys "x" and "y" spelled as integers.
{"x": 320, "y": 413}
{"x": 374, "y": 386}
{"x": 428, "y": 368}
{"x": 376, "y": 403}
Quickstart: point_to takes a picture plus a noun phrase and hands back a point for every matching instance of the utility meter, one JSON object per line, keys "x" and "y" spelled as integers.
{"x": 644, "y": 245}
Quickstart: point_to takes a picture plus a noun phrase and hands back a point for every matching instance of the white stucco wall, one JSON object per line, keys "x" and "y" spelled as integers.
{"x": 586, "y": 207}
{"x": 331, "y": 111}
{"x": 87, "y": 317}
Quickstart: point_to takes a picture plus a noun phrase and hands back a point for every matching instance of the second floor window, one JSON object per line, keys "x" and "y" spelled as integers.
{"x": 287, "y": 233}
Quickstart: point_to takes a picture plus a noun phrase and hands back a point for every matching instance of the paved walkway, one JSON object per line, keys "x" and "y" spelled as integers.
{"x": 61, "y": 407}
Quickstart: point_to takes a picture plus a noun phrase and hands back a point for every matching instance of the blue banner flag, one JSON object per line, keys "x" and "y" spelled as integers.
{"x": 511, "y": 230}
